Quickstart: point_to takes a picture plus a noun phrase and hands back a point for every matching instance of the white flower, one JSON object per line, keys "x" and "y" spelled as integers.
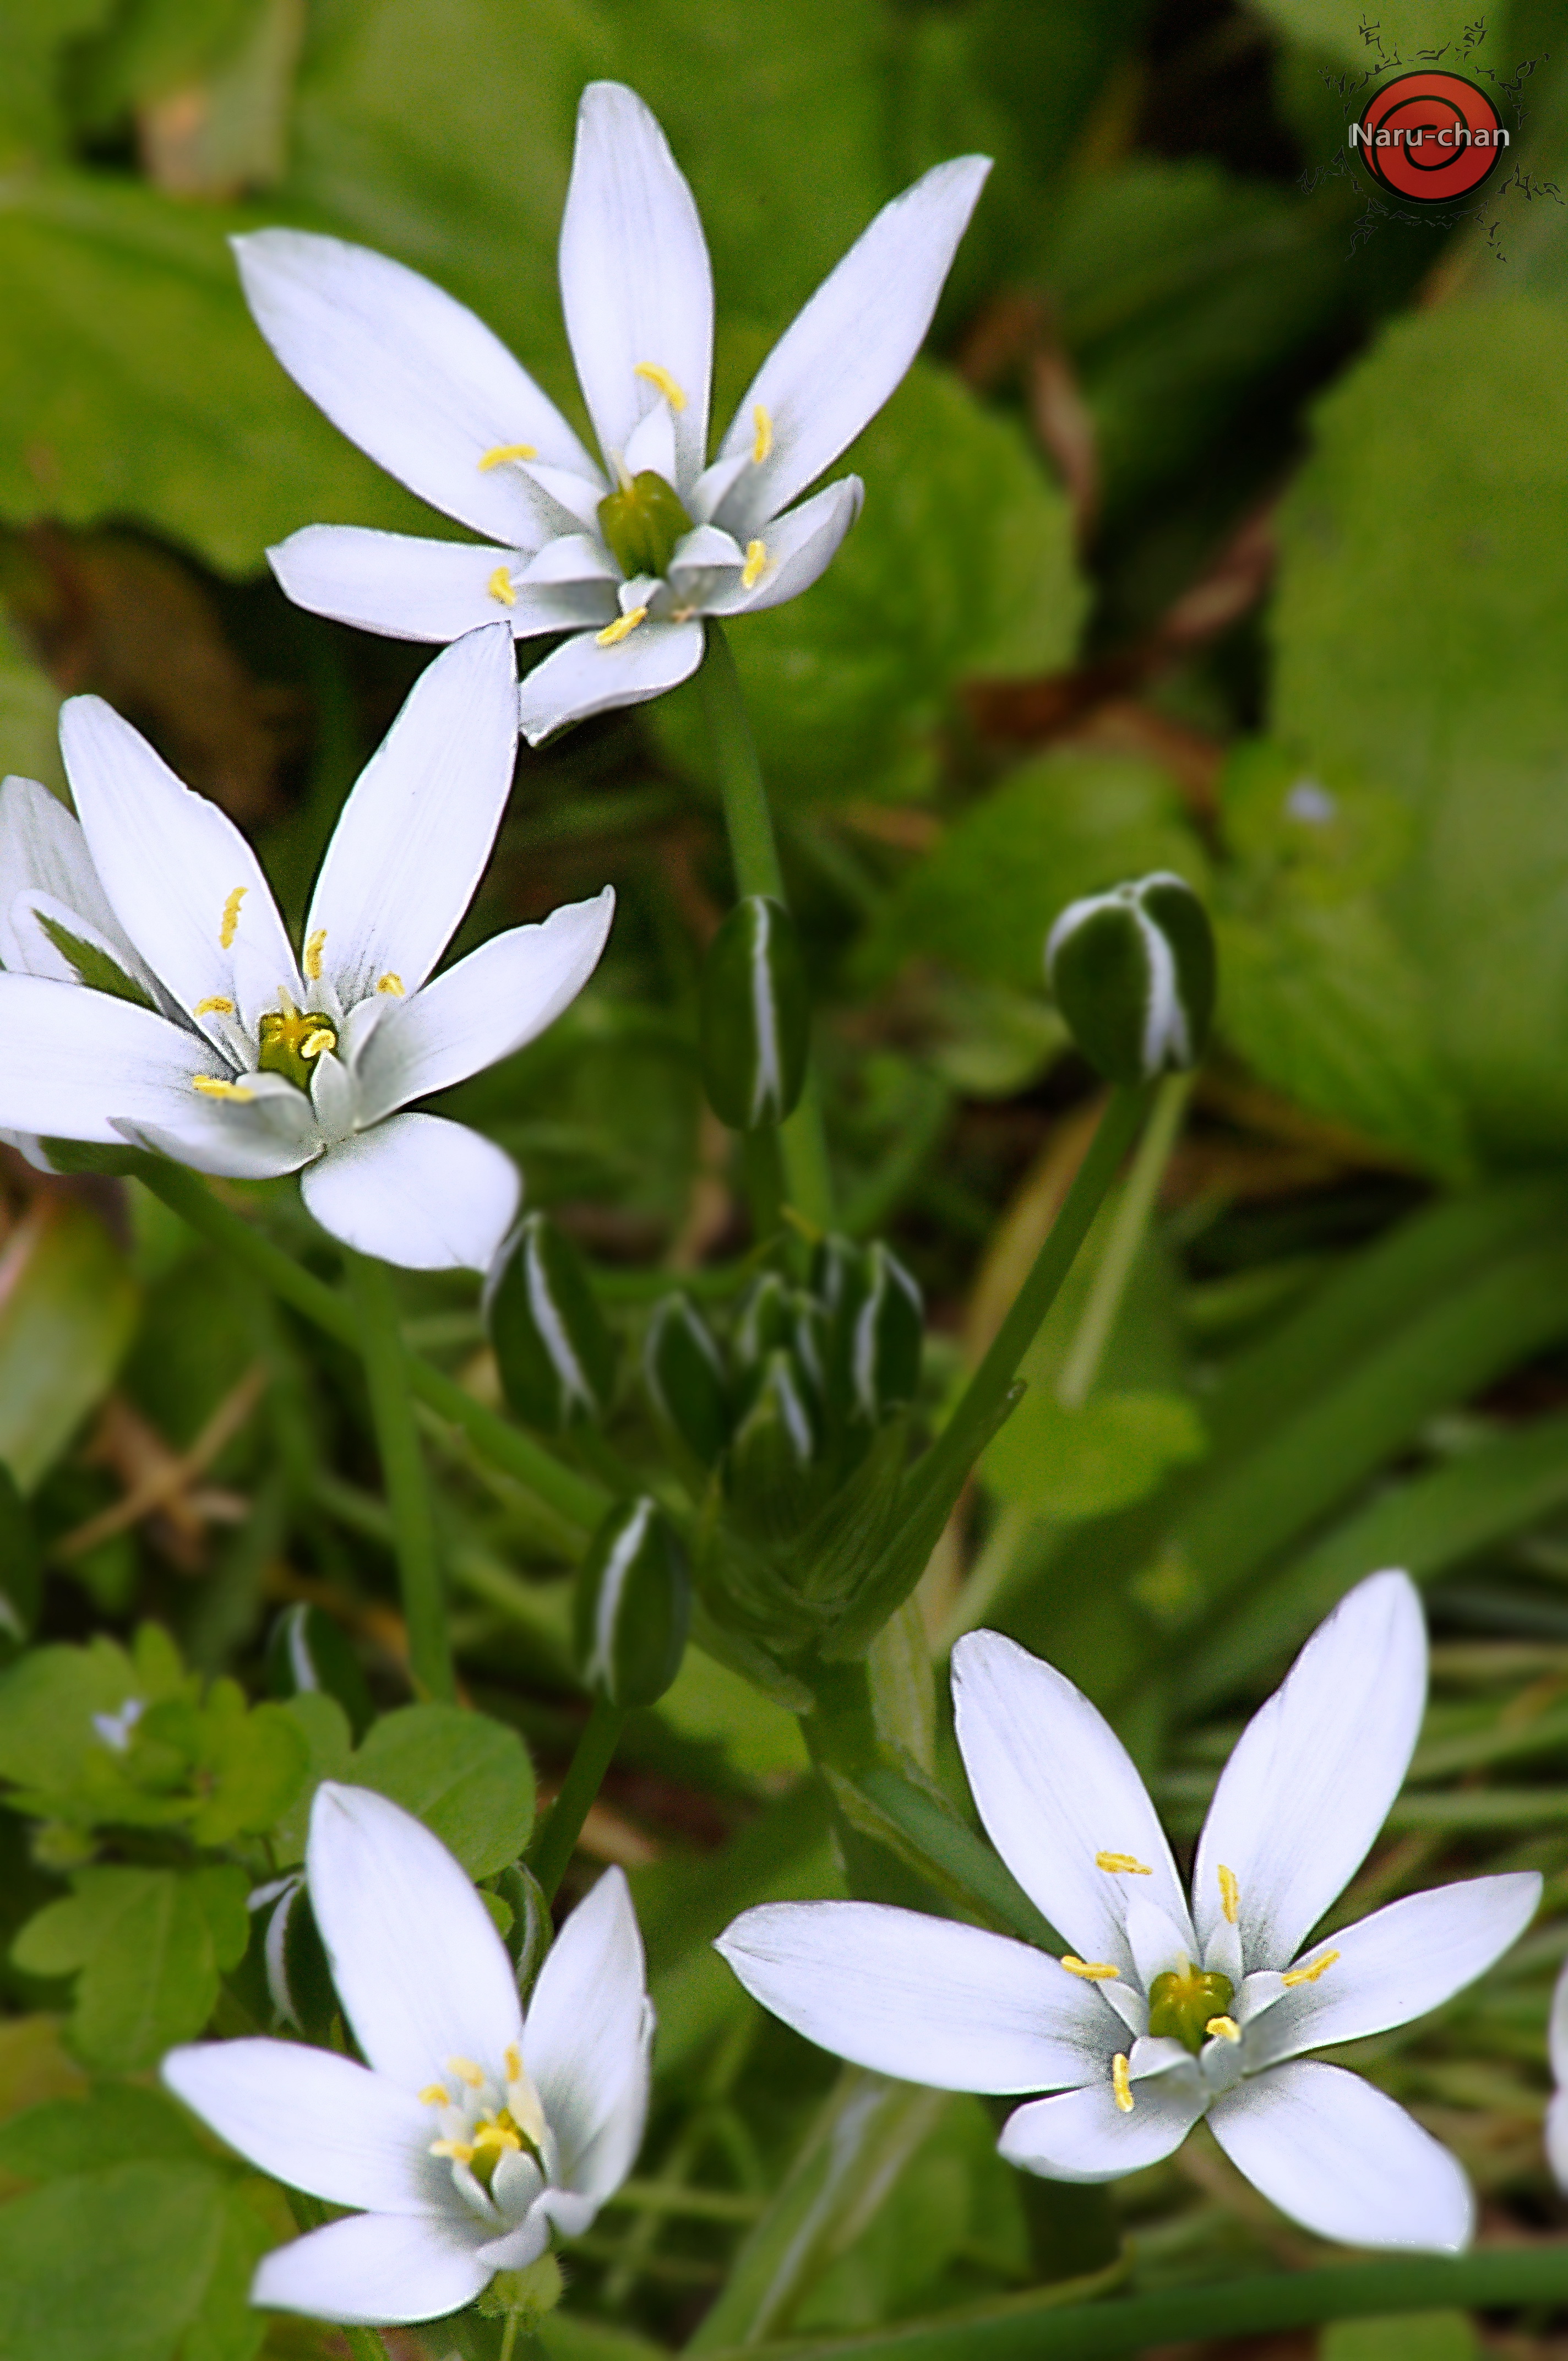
{"x": 1160, "y": 2016}
{"x": 629, "y": 556}
{"x": 471, "y": 2129}
{"x": 1557, "y": 2111}
{"x": 209, "y": 1042}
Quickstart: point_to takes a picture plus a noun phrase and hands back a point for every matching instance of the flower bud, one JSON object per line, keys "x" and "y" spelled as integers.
{"x": 1133, "y": 972}
{"x": 766, "y": 1322}
{"x": 555, "y": 1355}
{"x": 299, "y": 1982}
{"x": 532, "y": 1931}
{"x": 756, "y": 1016}
{"x": 632, "y": 1605}
{"x": 774, "y": 1445}
{"x": 306, "y": 1650}
{"x": 888, "y": 1331}
{"x": 685, "y": 1377}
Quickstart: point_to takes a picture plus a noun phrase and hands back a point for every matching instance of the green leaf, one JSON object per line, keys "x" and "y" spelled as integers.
{"x": 227, "y": 2327}
{"x": 116, "y": 2123}
{"x": 32, "y": 124}
{"x": 120, "y": 2258}
{"x": 467, "y": 1777}
{"x": 1414, "y": 2336}
{"x": 46, "y": 1704}
{"x": 1067, "y": 1463}
{"x": 223, "y": 1889}
{"x": 67, "y": 1308}
{"x": 144, "y": 1944}
{"x": 30, "y": 706}
{"x": 93, "y": 967}
{"x": 323, "y": 1725}
{"x": 252, "y": 1763}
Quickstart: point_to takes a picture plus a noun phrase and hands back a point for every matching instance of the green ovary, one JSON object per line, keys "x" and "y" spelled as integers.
{"x": 1182, "y": 2004}
{"x": 292, "y": 1044}
{"x": 642, "y": 522}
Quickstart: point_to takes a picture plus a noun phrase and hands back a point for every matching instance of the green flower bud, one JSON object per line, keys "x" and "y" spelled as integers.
{"x": 885, "y": 1338}
{"x": 306, "y": 1650}
{"x": 1133, "y": 972}
{"x": 299, "y": 1982}
{"x": 632, "y": 1605}
{"x": 774, "y": 1445}
{"x": 532, "y": 1931}
{"x": 685, "y": 1377}
{"x": 756, "y": 1016}
{"x": 555, "y": 1355}
{"x": 766, "y": 1322}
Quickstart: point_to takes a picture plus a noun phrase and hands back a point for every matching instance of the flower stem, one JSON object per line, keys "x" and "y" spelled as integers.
{"x": 1087, "y": 1350}
{"x": 404, "y": 1474}
{"x": 955, "y": 1448}
{"x": 581, "y": 1502}
{"x": 558, "y": 1832}
{"x": 754, "y": 856}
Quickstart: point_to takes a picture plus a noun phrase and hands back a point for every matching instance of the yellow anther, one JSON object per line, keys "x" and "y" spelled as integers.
{"x": 1123, "y": 1864}
{"x": 1224, "y": 2029}
{"x": 501, "y": 452}
{"x": 390, "y": 983}
{"x": 1121, "y": 2082}
{"x": 494, "y": 2134}
{"x": 764, "y": 443}
{"x": 230, "y": 927}
{"x": 466, "y": 2071}
{"x": 435, "y": 2094}
{"x": 613, "y": 634}
{"x": 324, "y": 1038}
{"x": 313, "y": 954}
{"x": 500, "y": 587}
{"x": 513, "y": 2060}
{"x": 211, "y": 1088}
{"x": 756, "y": 558}
{"x": 1309, "y": 1976}
{"x": 1230, "y": 1893}
{"x": 1097, "y": 1971}
{"x": 458, "y": 2150}
{"x": 664, "y": 380}
{"x": 215, "y": 1005}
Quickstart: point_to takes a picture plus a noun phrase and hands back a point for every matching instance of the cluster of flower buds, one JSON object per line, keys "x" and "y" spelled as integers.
{"x": 1133, "y": 974}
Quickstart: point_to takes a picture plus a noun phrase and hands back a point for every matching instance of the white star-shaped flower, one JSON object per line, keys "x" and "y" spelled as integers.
{"x": 629, "y": 556}
{"x": 1557, "y": 2109}
{"x": 1161, "y": 2015}
{"x": 471, "y": 2129}
{"x": 152, "y": 995}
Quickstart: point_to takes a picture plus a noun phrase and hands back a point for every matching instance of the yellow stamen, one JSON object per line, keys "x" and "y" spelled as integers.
{"x": 503, "y": 451}
{"x": 1309, "y": 1976}
{"x": 756, "y": 558}
{"x": 215, "y": 1005}
{"x": 211, "y": 1088}
{"x": 435, "y": 2094}
{"x": 500, "y": 587}
{"x": 466, "y": 2071}
{"x": 324, "y": 1038}
{"x": 613, "y": 634}
{"x": 1097, "y": 1971}
{"x": 313, "y": 955}
{"x": 764, "y": 442}
{"x": 513, "y": 2060}
{"x": 1120, "y": 2081}
{"x": 1224, "y": 2029}
{"x": 664, "y": 380}
{"x": 390, "y": 983}
{"x": 495, "y": 2135}
{"x": 1230, "y": 1893}
{"x": 1119, "y": 1864}
{"x": 230, "y": 927}
{"x": 458, "y": 2150}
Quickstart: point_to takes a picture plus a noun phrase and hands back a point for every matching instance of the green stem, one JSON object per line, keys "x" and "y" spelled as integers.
{"x": 572, "y": 1496}
{"x": 754, "y": 856}
{"x": 552, "y": 1847}
{"x": 954, "y": 1450}
{"x": 1086, "y": 1351}
{"x": 404, "y": 1474}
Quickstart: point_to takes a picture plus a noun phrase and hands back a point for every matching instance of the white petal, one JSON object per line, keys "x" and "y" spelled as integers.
{"x": 924, "y": 1999}
{"x": 1344, "y": 2160}
{"x": 417, "y": 1191}
{"x": 501, "y": 996}
{"x": 178, "y": 873}
{"x": 72, "y": 1060}
{"x": 1397, "y": 1964}
{"x": 1157, "y": 1943}
{"x": 44, "y": 852}
{"x": 374, "y": 2270}
{"x": 1055, "y": 1786}
{"x": 524, "y": 2245}
{"x": 314, "y": 2120}
{"x": 1557, "y": 2030}
{"x": 587, "y": 2040}
{"x": 423, "y": 1975}
{"x": 413, "y": 589}
{"x": 227, "y": 1137}
{"x": 572, "y": 558}
{"x": 800, "y": 547}
{"x": 704, "y": 556}
{"x": 635, "y": 283}
{"x": 417, "y": 829}
{"x": 582, "y": 677}
{"x": 1314, "y": 1772}
{"x": 834, "y": 368}
{"x": 1557, "y": 2137}
{"x": 651, "y": 443}
{"x": 1083, "y": 2135}
{"x": 706, "y": 496}
{"x": 408, "y": 373}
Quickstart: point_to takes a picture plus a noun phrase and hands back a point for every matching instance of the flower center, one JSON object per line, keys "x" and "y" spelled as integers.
{"x": 1185, "y": 2001}
{"x": 642, "y": 520}
{"x": 291, "y": 1041}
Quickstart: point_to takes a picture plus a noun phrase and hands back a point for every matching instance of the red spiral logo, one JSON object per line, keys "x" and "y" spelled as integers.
{"x": 1428, "y": 136}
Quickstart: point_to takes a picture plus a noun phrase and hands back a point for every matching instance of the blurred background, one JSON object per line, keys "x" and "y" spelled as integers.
{"x": 1222, "y": 528}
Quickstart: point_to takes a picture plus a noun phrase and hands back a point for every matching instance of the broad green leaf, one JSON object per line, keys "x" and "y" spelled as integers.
{"x": 227, "y": 2327}
{"x": 1408, "y": 2336}
{"x": 46, "y": 1704}
{"x": 251, "y": 1765}
{"x": 467, "y": 1777}
{"x": 121, "y": 2258}
{"x": 1067, "y": 1464}
{"x": 143, "y": 1944}
{"x": 67, "y": 1308}
{"x": 223, "y": 1890}
{"x": 93, "y": 967}
{"x": 329, "y": 1743}
{"x": 713, "y": 1706}
{"x": 114, "y": 2123}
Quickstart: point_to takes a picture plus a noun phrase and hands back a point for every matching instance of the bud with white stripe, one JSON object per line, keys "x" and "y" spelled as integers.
{"x": 632, "y": 1605}
{"x": 1133, "y": 972}
{"x": 756, "y": 1017}
{"x": 555, "y": 1355}
{"x": 684, "y": 1376}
